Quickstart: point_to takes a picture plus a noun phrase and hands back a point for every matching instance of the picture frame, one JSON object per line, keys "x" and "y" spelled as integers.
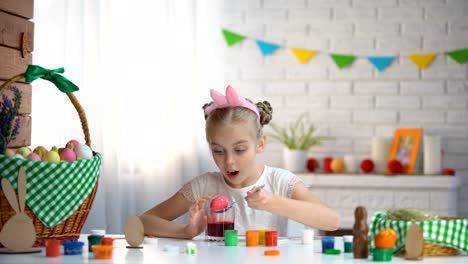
{"x": 405, "y": 147}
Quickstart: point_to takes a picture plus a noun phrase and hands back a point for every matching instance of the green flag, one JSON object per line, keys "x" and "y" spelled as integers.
{"x": 231, "y": 37}
{"x": 342, "y": 61}
{"x": 460, "y": 56}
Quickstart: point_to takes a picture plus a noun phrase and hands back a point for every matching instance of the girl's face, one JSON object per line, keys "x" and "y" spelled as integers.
{"x": 234, "y": 148}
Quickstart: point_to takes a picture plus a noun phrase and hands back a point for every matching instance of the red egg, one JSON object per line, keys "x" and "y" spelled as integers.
{"x": 394, "y": 166}
{"x": 219, "y": 202}
{"x": 367, "y": 166}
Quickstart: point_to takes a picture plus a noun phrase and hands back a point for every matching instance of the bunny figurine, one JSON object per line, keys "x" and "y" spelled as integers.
{"x": 18, "y": 233}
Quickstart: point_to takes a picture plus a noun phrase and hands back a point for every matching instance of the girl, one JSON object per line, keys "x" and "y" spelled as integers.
{"x": 234, "y": 134}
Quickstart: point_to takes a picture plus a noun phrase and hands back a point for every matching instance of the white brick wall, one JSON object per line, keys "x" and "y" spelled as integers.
{"x": 357, "y": 103}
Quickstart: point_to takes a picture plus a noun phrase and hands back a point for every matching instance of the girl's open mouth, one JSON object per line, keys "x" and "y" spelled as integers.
{"x": 232, "y": 174}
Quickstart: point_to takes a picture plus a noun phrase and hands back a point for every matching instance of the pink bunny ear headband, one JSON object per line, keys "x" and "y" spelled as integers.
{"x": 232, "y": 99}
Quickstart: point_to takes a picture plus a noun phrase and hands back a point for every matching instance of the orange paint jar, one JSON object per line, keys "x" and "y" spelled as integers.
{"x": 102, "y": 252}
{"x": 252, "y": 238}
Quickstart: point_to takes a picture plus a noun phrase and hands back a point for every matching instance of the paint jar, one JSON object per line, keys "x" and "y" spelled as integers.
{"x": 348, "y": 244}
{"x": 95, "y": 238}
{"x": 102, "y": 251}
{"x": 308, "y": 237}
{"x": 251, "y": 238}
{"x": 73, "y": 247}
{"x": 53, "y": 247}
{"x": 230, "y": 238}
{"x": 107, "y": 241}
{"x": 261, "y": 236}
{"x": 382, "y": 254}
{"x": 328, "y": 242}
{"x": 271, "y": 238}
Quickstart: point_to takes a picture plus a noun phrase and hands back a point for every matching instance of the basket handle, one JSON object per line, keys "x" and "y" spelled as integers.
{"x": 71, "y": 96}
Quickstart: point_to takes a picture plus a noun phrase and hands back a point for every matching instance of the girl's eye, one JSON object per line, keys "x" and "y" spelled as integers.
{"x": 217, "y": 151}
{"x": 240, "y": 150}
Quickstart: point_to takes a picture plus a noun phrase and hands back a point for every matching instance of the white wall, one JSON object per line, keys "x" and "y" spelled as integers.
{"x": 356, "y": 103}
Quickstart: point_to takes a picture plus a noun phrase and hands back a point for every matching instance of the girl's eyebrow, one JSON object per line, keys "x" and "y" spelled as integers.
{"x": 236, "y": 143}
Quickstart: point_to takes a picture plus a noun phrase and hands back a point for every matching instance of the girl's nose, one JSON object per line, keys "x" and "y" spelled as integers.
{"x": 230, "y": 159}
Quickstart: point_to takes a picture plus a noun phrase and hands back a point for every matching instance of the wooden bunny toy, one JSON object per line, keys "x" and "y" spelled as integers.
{"x": 18, "y": 233}
{"x": 360, "y": 230}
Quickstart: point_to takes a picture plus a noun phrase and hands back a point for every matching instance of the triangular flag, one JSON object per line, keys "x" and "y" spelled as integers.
{"x": 267, "y": 48}
{"x": 231, "y": 37}
{"x": 422, "y": 60}
{"x": 381, "y": 62}
{"x": 303, "y": 55}
{"x": 342, "y": 61}
{"x": 460, "y": 56}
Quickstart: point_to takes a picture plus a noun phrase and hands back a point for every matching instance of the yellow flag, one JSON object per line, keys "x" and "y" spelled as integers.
{"x": 303, "y": 55}
{"x": 422, "y": 60}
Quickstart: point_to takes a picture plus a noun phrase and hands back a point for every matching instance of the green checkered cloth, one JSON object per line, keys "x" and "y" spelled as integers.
{"x": 54, "y": 191}
{"x": 452, "y": 233}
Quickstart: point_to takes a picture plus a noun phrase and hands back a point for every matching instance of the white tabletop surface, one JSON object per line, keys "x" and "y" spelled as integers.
{"x": 292, "y": 251}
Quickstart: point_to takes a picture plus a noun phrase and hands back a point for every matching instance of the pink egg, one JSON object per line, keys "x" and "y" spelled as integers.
{"x": 67, "y": 155}
{"x": 219, "y": 202}
{"x": 74, "y": 142}
{"x": 33, "y": 156}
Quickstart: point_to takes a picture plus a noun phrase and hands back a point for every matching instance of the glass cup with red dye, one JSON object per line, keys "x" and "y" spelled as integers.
{"x": 218, "y": 221}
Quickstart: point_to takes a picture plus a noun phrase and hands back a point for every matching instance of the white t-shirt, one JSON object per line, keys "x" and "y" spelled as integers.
{"x": 277, "y": 181}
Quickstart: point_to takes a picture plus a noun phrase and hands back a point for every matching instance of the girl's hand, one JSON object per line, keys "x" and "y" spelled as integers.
{"x": 260, "y": 200}
{"x": 197, "y": 222}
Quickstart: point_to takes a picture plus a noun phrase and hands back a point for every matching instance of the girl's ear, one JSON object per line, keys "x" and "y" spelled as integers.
{"x": 261, "y": 144}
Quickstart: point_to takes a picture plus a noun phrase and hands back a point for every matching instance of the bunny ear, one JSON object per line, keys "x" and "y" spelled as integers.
{"x": 22, "y": 188}
{"x": 231, "y": 96}
{"x": 10, "y": 194}
{"x": 218, "y": 98}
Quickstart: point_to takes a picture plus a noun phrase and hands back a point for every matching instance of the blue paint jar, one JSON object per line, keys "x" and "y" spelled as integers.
{"x": 73, "y": 247}
{"x": 328, "y": 242}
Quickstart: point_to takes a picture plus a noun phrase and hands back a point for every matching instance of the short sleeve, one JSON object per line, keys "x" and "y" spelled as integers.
{"x": 290, "y": 185}
{"x": 187, "y": 192}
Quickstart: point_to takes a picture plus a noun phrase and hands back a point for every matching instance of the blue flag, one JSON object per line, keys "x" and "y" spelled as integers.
{"x": 381, "y": 62}
{"x": 267, "y": 48}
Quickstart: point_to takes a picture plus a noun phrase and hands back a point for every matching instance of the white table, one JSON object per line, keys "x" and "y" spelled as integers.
{"x": 292, "y": 251}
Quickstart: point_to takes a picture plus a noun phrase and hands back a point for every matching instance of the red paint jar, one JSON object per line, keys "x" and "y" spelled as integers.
{"x": 53, "y": 247}
{"x": 271, "y": 238}
{"x": 107, "y": 241}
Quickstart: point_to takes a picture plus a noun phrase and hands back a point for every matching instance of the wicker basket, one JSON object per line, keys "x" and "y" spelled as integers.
{"x": 431, "y": 248}
{"x": 70, "y": 228}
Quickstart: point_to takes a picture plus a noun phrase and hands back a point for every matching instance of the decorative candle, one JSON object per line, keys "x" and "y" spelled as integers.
{"x": 432, "y": 155}
{"x": 380, "y": 151}
{"x": 328, "y": 242}
{"x": 352, "y": 163}
{"x": 308, "y": 237}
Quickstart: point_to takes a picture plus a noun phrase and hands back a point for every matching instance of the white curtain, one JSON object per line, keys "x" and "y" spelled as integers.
{"x": 144, "y": 68}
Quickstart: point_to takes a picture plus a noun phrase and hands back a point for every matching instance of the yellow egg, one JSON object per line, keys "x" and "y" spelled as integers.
{"x": 337, "y": 166}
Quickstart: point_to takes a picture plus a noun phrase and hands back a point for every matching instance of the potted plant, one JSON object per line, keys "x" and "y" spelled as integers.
{"x": 297, "y": 137}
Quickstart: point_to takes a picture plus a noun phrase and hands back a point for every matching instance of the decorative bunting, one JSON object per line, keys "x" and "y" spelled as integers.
{"x": 231, "y": 37}
{"x": 342, "y": 61}
{"x": 267, "y": 48}
{"x": 460, "y": 56}
{"x": 303, "y": 55}
{"x": 422, "y": 60}
{"x": 381, "y": 63}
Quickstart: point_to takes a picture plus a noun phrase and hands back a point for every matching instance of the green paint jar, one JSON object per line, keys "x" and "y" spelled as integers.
{"x": 95, "y": 238}
{"x": 230, "y": 238}
{"x": 348, "y": 244}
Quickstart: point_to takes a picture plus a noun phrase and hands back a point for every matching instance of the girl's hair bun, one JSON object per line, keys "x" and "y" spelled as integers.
{"x": 266, "y": 112}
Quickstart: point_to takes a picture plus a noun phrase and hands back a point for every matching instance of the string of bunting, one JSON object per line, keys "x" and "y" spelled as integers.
{"x": 422, "y": 61}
